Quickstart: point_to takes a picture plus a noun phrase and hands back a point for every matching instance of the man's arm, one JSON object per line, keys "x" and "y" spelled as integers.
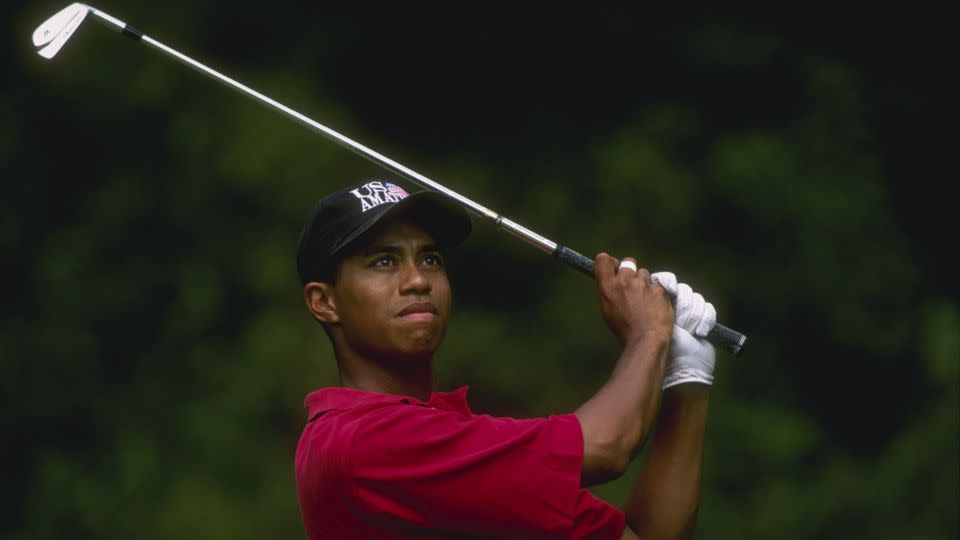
{"x": 617, "y": 419}
{"x": 665, "y": 499}
{"x": 666, "y": 496}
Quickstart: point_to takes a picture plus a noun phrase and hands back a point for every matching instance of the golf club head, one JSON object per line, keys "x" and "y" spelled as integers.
{"x": 55, "y": 31}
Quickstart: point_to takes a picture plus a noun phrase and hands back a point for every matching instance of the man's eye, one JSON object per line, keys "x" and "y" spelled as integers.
{"x": 383, "y": 261}
{"x": 433, "y": 259}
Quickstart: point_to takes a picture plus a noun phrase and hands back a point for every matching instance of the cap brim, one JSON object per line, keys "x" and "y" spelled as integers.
{"x": 446, "y": 221}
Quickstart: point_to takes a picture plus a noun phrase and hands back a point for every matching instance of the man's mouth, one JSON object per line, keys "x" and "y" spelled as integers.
{"x": 419, "y": 310}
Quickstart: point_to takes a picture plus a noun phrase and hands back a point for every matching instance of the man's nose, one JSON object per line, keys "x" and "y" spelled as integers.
{"x": 414, "y": 280}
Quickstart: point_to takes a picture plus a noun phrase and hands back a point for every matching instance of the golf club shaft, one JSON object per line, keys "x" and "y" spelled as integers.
{"x": 720, "y": 335}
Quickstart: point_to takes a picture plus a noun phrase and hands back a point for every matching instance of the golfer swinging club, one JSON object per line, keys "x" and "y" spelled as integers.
{"x": 384, "y": 456}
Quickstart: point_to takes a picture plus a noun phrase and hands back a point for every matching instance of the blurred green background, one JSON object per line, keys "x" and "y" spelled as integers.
{"x": 155, "y": 351}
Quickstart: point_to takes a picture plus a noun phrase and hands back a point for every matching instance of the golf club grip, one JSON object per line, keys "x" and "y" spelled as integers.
{"x": 719, "y": 336}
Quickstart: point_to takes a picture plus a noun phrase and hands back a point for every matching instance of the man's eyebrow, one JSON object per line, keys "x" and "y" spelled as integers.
{"x": 382, "y": 248}
{"x": 396, "y": 247}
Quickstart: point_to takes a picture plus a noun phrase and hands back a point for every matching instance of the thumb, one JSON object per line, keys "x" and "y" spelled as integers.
{"x": 604, "y": 267}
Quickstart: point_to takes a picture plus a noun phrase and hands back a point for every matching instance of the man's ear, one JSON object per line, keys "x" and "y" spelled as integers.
{"x": 320, "y": 302}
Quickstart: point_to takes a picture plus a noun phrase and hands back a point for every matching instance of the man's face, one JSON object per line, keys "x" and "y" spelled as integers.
{"x": 392, "y": 295}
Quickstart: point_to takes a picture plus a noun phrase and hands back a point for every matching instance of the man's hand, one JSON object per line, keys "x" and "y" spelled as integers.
{"x": 633, "y": 306}
{"x": 691, "y": 358}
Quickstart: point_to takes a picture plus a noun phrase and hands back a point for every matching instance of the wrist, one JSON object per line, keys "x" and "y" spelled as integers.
{"x": 685, "y": 376}
{"x": 648, "y": 339}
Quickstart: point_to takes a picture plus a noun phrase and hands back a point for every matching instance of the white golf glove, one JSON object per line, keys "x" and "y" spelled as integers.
{"x": 692, "y": 357}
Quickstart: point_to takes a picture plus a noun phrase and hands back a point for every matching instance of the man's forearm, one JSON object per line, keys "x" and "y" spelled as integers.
{"x": 617, "y": 418}
{"x": 666, "y": 496}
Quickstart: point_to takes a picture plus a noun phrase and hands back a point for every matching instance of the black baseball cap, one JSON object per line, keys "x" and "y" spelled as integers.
{"x": 339, "y": 218}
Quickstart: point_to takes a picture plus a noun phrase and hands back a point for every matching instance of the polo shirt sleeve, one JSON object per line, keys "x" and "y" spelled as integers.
{"x": 414, "y": 466}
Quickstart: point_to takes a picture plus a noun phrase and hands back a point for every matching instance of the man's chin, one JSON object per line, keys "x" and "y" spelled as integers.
{"x": 421, "y": 340}
{"x": 423, "y": 350}
{"x": 415, "y": 350}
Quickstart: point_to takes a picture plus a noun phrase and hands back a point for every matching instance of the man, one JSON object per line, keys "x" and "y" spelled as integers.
{"x": 385, "y": 456}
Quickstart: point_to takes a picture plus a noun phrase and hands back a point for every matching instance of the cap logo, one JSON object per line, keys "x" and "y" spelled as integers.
{"x": 373, "y": 194}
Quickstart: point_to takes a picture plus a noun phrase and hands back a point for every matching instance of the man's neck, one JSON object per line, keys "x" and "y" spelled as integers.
{"x": 409, "y": 377}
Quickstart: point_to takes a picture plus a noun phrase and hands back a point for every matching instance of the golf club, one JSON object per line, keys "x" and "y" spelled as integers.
{"x": 51, "y": 36}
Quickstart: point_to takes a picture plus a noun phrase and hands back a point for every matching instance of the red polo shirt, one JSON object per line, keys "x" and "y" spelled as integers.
{"x": 383, "y": 466}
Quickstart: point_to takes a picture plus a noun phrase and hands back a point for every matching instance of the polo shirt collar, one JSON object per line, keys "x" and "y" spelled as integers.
{"x": 340, "y": 398}
{"x": 451, "y": 401}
